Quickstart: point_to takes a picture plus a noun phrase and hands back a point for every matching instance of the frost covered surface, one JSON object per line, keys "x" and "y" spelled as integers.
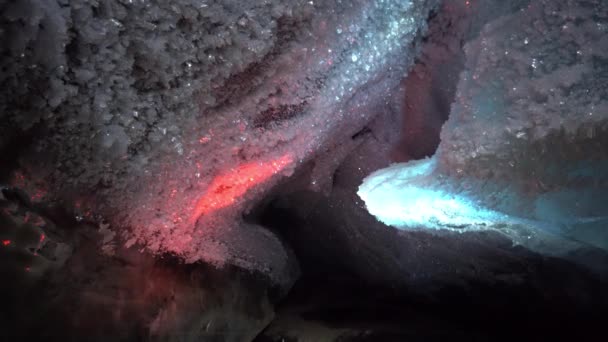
{"x": 413, "y": 196}
{"x": 139, "y": 107}
{"x": 402, "y": 196}
{"x": 533, "y": 79}
{"x": 525, "y": 141}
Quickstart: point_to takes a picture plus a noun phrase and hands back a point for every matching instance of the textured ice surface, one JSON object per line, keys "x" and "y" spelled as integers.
{"x": 403, "y": 196}
{"x": 535, "y": 82}
{"x": 143, "y": 107}
{"x": 414, "y": 196}
{"x": 525, "y": 145}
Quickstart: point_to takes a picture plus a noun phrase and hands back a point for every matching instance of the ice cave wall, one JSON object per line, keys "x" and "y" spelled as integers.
{"x": 525, "y": 143}
{"x": 170, "y": 118}
{"x": 71, "y": 275}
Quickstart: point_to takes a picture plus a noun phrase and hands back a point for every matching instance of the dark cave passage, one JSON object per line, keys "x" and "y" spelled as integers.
{"x": 429, "y": 91}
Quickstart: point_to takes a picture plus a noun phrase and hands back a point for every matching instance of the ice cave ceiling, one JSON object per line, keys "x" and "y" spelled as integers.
{"x": 284, "y": 138}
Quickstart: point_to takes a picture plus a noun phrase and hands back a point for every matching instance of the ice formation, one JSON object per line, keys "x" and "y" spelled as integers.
{"x": 531, "y": 107}
{"x": 402, "y": 196}
{"x": 157, "y": 125}
{"x": 147, "y": 106}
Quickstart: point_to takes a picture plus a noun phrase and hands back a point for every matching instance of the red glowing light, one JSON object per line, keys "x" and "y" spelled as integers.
{"x": 39, "y": 194}
{"x": 227, "y": 187}
{"x": 6, "y": 242}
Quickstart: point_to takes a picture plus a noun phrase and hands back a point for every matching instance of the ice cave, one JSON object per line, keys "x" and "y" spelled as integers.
{"x": 303, "y": 171}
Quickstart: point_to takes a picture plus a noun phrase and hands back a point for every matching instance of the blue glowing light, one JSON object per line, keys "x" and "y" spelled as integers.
{"x": 401, "y": 196}
{"x": 416, "y": 196}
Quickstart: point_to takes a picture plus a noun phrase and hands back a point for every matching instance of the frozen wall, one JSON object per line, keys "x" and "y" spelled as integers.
{"x": 523, "y": 151}
{"x": 170, "y": 119}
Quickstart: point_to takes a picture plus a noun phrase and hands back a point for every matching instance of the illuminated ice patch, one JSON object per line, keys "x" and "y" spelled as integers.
{"x": 414, "y": 196}
{"x": 404, "y": 196}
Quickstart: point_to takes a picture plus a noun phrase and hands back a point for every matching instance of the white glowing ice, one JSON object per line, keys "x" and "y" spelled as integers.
{"x": 401, "y": 196}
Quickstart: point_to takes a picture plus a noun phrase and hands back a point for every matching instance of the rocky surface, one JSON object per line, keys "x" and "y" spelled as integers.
{"x": 67, "y": 280}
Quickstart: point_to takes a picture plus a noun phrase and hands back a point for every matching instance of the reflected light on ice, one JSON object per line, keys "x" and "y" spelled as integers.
{"x": 226, "y": 188}
{"x": 400, "y": 196}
